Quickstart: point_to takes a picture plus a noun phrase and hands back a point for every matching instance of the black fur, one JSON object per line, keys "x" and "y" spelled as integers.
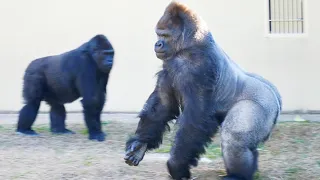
{"x": 211, "y": 91}
{"x": 60, "y": 79}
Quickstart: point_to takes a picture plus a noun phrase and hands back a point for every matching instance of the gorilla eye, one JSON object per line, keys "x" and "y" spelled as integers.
{"x": 165, "y": 35}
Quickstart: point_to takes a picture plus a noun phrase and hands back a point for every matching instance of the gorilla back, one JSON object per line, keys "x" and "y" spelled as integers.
{"x": 82, "y": 72}
{"x": 204, "y": 89}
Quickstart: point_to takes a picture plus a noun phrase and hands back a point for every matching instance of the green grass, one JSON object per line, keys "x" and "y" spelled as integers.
{"x": 84, "y": 131}
{"x": 213, "y": 151}
{"x": 88, "y": 161}
{"x": 298, "y": 141}
{"x": 41, "y": 128}
{"x": 163, "y": 149}
{"x": 293, "y": 170}
{"x": 104, "y": 123}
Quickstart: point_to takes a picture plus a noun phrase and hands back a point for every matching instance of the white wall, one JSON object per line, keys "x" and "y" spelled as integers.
{"x": 36, "y": 28}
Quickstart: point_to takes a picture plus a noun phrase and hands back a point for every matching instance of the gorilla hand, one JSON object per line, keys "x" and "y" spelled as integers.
{"x": 178, "y": 172}
{"x": 135, "y": 152}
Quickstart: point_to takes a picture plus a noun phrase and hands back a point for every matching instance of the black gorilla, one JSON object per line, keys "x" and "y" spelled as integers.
{"x": 204, "y": 89}
{"x": 60, "y": 79}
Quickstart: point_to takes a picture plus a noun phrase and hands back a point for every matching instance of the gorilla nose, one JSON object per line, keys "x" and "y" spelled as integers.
{"x": 158, "y": 46}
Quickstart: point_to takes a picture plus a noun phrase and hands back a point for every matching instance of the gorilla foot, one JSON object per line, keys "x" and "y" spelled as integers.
{"x": 27, "y": 132}
{"x": 231, "y": 178}
{"x": 135, "y": 153}
{"x": 97, "y": 136}
{"x": 63, "y": 131}
{"x": 178, "y": 172}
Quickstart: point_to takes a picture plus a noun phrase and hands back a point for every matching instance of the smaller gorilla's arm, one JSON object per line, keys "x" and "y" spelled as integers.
{"x": 92, "y": 91}
{"x": 160, "y": 108}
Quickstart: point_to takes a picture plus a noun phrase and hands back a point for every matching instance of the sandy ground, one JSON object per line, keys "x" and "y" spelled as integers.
{"x": 293, "y": 152}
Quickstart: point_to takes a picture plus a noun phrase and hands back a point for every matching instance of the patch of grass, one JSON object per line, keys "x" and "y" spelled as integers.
{"x": 298, "y": 141}
{"x": 221, "y": 172}
{"x": 20, "y": 175}
{"x": 88, "y": 161}
{"x": 2, "y": 128}
{"x": 84, "y": 131}
{"x": 213, "y": 151}
{"x": 293, "y": 170}
{"x": 261, "y": 147}
{"x": 163, "y": 149}
{"x": 104, "y": 123}
{"x": 41, "y": 128}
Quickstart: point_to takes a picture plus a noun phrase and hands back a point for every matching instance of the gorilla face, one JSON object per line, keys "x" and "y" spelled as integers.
{"x": 163, "y": 47}
{"x": 104, "y": 59}
{"x": 102, "y": 52}
{"x": 170, "y": 37}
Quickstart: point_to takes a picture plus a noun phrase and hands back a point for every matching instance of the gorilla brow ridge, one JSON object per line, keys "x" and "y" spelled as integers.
{"x": 195, "y": 29}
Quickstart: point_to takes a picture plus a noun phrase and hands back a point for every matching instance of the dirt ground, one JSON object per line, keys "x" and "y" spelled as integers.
{"x": 293, "y": 152}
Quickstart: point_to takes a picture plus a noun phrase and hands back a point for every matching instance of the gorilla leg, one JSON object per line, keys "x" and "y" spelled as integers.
{"x": 190, "y": 142}
{"x": 58, "y": 117}
{"x": 33, "y": 91}
{"x": 92, "y": 112}
{"x": 27, "y": 116}
{"x": 245, "y": 126}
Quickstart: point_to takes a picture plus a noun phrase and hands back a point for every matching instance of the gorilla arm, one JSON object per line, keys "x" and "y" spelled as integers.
{"x": 160, "y": 108}
{"x": 197, "y": 125}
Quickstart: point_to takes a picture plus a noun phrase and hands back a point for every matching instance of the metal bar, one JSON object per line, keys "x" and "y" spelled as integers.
{"x": 270, "y": 22}
{"x": 283, "y": 24}
{"x": 297, "y": 11}
{"x": 279, "y": 15}
{"x": 292, "y": 25}
{"x": 289, "y": 20}
{"x": 302, "y": 17}
{"x": 288, "y": 16}
{"x": 274, "y": 15}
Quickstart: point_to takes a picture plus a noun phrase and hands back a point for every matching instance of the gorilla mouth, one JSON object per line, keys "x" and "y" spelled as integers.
{"x": 106, "y": 69}
{"x": 160, "y": 54}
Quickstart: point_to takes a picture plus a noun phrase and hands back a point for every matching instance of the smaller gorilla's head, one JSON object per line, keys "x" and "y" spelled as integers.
{"x": 102, "y": 52}
{"x": 178, "y": 29}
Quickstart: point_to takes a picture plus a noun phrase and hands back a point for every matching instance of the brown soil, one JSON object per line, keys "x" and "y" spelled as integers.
{"x": 293, "y": 152}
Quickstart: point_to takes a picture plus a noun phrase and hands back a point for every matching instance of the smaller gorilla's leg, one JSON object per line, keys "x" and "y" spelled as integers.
{"x": 27, "y": 116}
{"x": 92, "y": 113}
{"x": 58, "y": 117}
{"x": 245, "y": 126}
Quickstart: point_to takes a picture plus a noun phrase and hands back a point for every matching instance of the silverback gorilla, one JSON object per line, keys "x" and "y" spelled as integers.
{"x": 201, "y": 87}
{"x": 60, "y": 79}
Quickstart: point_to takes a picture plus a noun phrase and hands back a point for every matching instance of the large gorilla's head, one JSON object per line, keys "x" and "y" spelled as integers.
{"x": 102, "y": 52}
{"x": 178, "y": 29}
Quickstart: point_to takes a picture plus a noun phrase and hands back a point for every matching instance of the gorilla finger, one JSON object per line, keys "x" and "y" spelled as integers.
{"x": 126, "y": 157}
{"x": 128, "y": 162}
{"x": 136, "y": 162}
{"x": 129, "y": 153}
